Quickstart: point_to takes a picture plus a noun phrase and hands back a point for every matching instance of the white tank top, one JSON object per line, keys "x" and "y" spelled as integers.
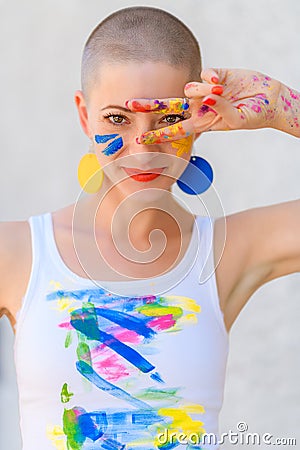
{"x": 120, "y": 365}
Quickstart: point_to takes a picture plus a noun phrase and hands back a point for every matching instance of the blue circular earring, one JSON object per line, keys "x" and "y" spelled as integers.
{"x": 197, "y": 177}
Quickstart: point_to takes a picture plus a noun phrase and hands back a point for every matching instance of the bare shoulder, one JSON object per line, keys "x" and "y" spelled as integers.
{"x": 261, "y": 244}
{"x": 15, "y": 265}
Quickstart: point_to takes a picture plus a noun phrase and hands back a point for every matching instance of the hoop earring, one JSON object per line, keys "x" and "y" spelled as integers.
{"x": 197, "y": 177}
{"x": 90, "y": 174}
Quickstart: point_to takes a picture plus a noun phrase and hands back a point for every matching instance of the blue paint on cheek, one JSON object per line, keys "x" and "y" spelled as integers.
{"x": 113, "y": 147}
{"x": 102, "y": 139}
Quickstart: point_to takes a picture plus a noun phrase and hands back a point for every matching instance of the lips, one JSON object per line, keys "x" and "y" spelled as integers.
{"x": 143, "y": 176}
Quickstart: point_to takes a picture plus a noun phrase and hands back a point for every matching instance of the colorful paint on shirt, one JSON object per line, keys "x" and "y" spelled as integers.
{"x": 113, "y": 339}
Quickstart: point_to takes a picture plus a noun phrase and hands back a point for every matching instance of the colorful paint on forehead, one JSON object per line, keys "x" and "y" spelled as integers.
{"x": 113, "y": 147}
{"x": 170, "y": 106}
{"x": 163, "y": 134}
{"x": 183, "y": 145}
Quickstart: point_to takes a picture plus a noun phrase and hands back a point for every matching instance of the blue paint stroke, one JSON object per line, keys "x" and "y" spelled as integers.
{"x": 93, "y": 425}
{"x": 107, "y": 427}
{"x": 103, "y": 297}
{"x": 101, "y": 139}
{"x": 110, "y": 444}
{"x": 88, "y": 372}
{"x": 113, "y": 147}
{"x": 156, "y": 377}
{"x": 86, "y": 322}
{"x": 79, "y": 294}
{"x": 126, "y": 321}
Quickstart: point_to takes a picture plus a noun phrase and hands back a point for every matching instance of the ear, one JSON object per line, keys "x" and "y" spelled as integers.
{"x": 82, "y": 112}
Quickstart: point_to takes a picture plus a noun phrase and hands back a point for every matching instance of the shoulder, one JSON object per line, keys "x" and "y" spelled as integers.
{"x": 15, "y": 264}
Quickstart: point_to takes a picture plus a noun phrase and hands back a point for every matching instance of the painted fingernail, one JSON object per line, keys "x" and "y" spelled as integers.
{"x": 127, "y": 103}
{"x": 209, "y": 102}
{"x": 190, "y": 85}
{"x": 218, "y": 90}
{"x": 215, "y": 80}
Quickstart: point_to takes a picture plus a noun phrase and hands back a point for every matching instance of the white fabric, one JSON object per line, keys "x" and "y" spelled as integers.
{"x": 100, "y": 370}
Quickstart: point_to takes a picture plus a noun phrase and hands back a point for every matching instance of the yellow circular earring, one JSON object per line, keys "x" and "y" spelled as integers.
{"x": 90, "y": 174}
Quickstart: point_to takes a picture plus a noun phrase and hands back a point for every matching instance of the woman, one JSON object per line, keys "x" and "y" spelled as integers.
{"x": 119, "y": 341}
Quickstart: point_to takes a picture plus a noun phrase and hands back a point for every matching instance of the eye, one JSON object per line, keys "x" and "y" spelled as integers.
{"x": 116, "y": 119}
{"x": 171, "y": 119}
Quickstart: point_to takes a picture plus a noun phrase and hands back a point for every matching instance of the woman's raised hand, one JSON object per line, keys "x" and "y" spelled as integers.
{"x": 228, "y": 99}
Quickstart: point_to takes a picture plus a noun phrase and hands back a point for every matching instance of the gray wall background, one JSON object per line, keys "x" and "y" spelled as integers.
{"x": 41, "y": 144}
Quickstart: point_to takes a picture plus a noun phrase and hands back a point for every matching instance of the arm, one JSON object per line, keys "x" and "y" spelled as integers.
{"x": 15, "y": 264}
{"x": 261, "y": 244}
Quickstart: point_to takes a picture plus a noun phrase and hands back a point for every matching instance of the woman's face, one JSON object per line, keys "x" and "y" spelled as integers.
{"x": 114, "y": 129}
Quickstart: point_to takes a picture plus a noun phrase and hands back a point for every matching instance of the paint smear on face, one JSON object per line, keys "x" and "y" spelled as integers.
{"x": 183, "y": 145}
{"x": 113, "y": 147}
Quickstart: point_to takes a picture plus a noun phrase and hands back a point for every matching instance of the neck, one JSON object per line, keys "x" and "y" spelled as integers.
{"x": 137, "y": 216}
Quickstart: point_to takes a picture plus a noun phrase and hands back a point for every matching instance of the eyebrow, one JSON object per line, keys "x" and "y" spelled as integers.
{"x": 116, "y": 107}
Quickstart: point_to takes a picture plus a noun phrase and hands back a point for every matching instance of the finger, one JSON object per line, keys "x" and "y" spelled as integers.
{"x": 210, "y": 75}
{"x": 216, "y": 76}
{"x": 167, "y": 134}
{"x": 160, "y": 106}
{"x": 195, "y": 89}
{"x": 232, "y": 115}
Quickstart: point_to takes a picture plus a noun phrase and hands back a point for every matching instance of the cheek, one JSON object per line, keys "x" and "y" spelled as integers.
{"x": 108, "y": 144}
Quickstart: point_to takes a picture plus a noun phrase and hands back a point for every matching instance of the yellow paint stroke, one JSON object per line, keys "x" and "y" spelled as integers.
{"x": 183, "y": 145}
{"x": 189, "y": 304}
{"x": 182, "y": 422}
{"x": 189, "y": 318}
{"x": 64, "y": 303}
{"x": 154, "y": 310}
{"x": 55, "y": 284}
{"x": 56, "y": 435}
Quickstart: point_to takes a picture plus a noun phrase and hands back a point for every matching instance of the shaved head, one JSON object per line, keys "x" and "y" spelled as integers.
{"x": 140, "y": 34}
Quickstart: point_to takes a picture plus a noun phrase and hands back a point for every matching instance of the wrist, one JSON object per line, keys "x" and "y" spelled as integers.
{"x": 287, "y": 118}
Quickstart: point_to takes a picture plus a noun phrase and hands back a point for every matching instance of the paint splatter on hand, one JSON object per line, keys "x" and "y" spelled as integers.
{"x": 251, "y": 100}
{"x": 229, "y": 99}
{"x": 164, "y": 106}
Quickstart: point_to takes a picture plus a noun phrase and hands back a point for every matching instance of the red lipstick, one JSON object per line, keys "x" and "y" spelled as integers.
{"x": 143, "y": 176}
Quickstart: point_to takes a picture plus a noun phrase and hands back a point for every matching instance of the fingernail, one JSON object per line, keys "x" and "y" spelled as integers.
{"x": 215, "y": 80}
{"x": 209, "y": 102}
{"x": 137, "y": 140}
{"x": 127, "y": 103}
{"x": 218, "y": 90}
{"x": 190, "y": 85}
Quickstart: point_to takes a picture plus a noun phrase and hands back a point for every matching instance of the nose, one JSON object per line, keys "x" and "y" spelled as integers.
{"x": 143, "y": 152}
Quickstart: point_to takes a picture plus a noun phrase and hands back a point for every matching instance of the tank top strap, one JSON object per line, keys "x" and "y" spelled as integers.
{"x": 207, "y": 267}
{"x": 39, "y": 236}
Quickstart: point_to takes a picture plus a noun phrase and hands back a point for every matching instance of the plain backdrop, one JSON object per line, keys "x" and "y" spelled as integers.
{"x": 41, "y": 143}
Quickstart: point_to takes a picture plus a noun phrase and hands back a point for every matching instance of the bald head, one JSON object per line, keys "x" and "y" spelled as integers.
{"x": 140, "y": 34}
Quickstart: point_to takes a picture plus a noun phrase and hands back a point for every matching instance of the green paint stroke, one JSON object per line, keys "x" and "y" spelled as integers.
{"x": 159, "y": 394}
{"x": 68, "y": 340}
{"x": 156, "y": 310}
{"x": 65, "y": 395}
{"x": 84, "y": 353}
{"x": 75, "y": 438}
